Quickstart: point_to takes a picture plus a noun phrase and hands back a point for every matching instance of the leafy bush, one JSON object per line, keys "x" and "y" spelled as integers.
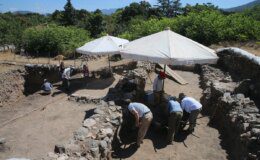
{"x": 206, "y": 27}
{"x": 53, "y": 40}
{"x": 12, "y": 26}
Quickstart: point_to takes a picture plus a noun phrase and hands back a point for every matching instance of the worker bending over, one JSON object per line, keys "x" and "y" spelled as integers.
{"x": 174, "y": 120}
{"x": 193, "y": 107}
{"x": 143, "y": 118}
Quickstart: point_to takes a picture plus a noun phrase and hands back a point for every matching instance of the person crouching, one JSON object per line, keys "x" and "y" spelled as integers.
{"x": 46, "y": 87}
{"x": 143, "y": 118}
{"x": 174, "y": 120}
{"x": 193, "y": 107}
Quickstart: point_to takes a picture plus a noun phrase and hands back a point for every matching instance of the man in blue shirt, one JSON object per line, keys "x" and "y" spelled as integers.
{"x": 175, "y": 116}
{"x": 47, "y": 86}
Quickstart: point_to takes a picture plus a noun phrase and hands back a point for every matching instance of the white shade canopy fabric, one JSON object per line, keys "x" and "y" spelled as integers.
{"x": 103, "y": 46}
{"x": 168, "y": 47}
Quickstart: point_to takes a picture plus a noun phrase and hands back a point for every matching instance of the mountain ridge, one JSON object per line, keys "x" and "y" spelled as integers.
{"x": 243, "y": 7}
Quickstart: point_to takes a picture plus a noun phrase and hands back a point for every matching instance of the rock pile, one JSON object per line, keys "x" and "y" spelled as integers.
{"x": 236, "y": 116}
{"x": 92, "y": 140}
{"x": 85, "y": 99}
{"x": 242, "y": 65}
{"x": 12, "y": 86}
{"x": 130, "y": 87}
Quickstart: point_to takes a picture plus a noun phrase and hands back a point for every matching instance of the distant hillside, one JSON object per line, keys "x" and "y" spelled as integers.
{"x": 108, "y": 11}
{"x": 22, "y": 12}
{"x": 243, "y": 7}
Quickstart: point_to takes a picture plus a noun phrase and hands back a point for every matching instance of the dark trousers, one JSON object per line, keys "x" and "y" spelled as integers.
{"x": 173, "y": 124}
{"x": 66, "y": 84}
{"x": 193, "y": 118}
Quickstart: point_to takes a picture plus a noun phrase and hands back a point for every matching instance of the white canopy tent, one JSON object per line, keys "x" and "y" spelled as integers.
{"x": 106, "y": 45}
{"x": 168, "y": 47}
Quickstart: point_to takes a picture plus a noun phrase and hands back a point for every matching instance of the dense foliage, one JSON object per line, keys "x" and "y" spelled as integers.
{"x": 204, "y": 23}
{"x": 12, "y": 26}
{"x": 207, "y": 27}
{"x": 53, "y": 39}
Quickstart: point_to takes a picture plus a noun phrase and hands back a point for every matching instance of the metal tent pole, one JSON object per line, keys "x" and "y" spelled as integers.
{"x": 74, "y": 59}
{"x": 163, "y": 79}
{"x": 109, "y": 63}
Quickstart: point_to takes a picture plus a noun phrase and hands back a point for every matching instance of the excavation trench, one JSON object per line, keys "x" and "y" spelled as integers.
{"x": 229, "y": 99}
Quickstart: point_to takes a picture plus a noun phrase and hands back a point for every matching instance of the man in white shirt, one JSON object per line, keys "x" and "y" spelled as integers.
{"x": 66, "y": 78}
{"x": 158, "y": 87}
{"x": 143, "y": 118}
{"x": 193, "y": 107}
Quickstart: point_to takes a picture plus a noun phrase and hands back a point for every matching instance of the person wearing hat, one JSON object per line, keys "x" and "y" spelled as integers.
{"x": 174, "y": 120}
{"x": 191, "y": 106}
{"x": 143, "y": 118}
{"x": 47, "y": 87}
{"x": 158, "y": 87}
{"x": 66, "y": 78}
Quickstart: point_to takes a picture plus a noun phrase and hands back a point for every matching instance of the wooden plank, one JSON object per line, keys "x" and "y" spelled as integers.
{"x": 174, "y": 75}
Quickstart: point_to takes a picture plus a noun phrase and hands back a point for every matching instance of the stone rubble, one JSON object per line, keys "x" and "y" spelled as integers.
{"x": 242, "y": 66}
{"x": 94, "y": 139}
{"x": 234, "y": 114}
{"x": 12, "y": 86}
{"x": 85, "y": 99}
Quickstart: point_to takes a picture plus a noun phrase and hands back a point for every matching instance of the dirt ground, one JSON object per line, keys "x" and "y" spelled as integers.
{"x": 93, "y": 64}
{"x": 203, "y": 144}
{"x": 6, "y": 67}
{"x": 251, "y": 47}
{"x": 36, "y": 134}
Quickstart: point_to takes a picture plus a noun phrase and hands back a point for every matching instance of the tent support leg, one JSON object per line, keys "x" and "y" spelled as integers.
{"x": 109, "y": 63}
{"x": 163, "y": 79}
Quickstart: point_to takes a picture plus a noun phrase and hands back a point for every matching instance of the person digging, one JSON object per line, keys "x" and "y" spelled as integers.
{"x": 143, "y": 118}
{"x": 192, "y": 107}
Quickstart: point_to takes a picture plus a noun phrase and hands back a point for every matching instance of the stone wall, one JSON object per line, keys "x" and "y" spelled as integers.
{"x": 235, "y": 115}
{"x": 12, "y": 86}
{"x": 242, "y": 65}
{"x": 94, "y": 139}
{"x": 36, "y": 73}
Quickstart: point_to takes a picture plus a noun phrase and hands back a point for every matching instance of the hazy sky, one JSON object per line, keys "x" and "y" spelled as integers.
{"x": 48, "y": 6}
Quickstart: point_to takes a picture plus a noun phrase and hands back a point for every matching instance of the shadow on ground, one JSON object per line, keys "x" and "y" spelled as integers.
{"x": 128, "y": 137}
{"x": 84, "y": 83}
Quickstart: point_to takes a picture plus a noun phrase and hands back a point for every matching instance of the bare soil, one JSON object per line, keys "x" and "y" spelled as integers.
{"x": 6, "y": 67}
{"x": 35, "y": 135}
{"x": 93, "y": 64}
{"x": 251, "y": 47}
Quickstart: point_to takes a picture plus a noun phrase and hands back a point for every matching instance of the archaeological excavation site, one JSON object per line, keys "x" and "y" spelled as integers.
{"x": 92, "y": 121}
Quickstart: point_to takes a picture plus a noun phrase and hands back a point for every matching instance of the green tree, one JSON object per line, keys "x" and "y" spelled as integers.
{"x": 253, "y": 12}
{"x": 95, "y": 24}
{"x": 57, "y": 16}
{"x": 52, "y": 39}
{"x": 69, "y": 16}
{"x": 170, "y": 8}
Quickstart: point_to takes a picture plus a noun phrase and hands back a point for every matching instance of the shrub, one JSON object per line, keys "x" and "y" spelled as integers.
{"x": 205, "y": 27}
{"x": 53, "y": 40}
